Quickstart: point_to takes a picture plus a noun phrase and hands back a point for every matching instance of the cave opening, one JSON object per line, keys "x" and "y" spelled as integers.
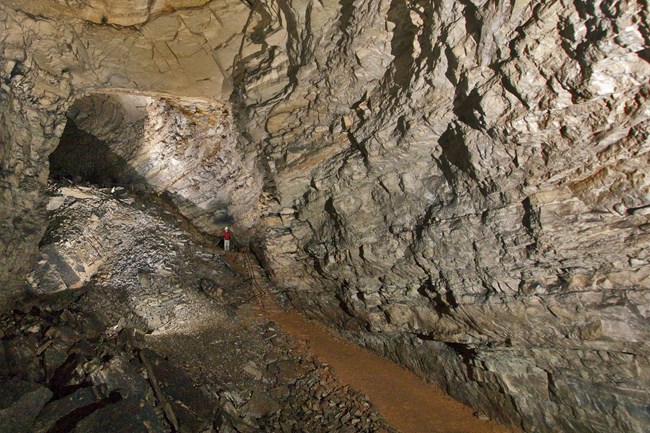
{"x": 83, "y": 158}
{"x": 152, "y": 151}
{"x": 101, "y": 133}
{"x": 182, "y": 150}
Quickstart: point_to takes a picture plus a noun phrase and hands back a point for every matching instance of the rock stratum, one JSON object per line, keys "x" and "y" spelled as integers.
{"x": 460, "y": 185}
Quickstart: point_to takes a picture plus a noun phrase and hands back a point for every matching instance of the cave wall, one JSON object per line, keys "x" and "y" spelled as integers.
{"x": 460, "y": 185}
{"x": 185, "y": 148}
{"x": 463, "y": 186}
{"x": 51, "y": 56}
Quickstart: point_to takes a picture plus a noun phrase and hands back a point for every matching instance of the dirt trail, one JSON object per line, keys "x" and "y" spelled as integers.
{"x": 408, "y": 403}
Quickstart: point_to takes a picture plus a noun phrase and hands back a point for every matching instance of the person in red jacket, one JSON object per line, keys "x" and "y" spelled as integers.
{"x": 226, "y": 240}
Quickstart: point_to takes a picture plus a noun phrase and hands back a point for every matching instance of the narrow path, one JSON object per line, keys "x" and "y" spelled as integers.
{"x": 408, "y": 403}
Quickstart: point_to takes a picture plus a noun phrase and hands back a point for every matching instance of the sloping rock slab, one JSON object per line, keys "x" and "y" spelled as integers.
{"x": 20, "y": 403}
{"x": 58, "y": 409}
{"x": 182, "y": 395}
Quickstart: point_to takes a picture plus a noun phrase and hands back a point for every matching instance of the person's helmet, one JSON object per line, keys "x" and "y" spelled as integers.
{"x": 226, "y": 228}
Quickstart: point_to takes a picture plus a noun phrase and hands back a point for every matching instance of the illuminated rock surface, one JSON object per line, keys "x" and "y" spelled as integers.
{"x": 460, "y": 185}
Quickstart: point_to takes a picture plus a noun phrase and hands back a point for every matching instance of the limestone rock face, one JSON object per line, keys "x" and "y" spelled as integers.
{"x": 463, "y": 186}
{"x": 460, "y": 185}
{"x": 50, "y": 58}
{"x": 117, "y": 12}
{"x": 183, "y": 147}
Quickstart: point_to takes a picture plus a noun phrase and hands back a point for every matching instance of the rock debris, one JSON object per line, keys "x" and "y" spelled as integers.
{"x": 160, "y": 338}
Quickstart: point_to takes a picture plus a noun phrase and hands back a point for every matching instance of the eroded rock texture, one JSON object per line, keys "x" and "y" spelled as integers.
{"x": 463, "y": 186}
{"x": 185, "y": 148}
{"x": 460, "y": 185}
{"x": 50, "y": 59}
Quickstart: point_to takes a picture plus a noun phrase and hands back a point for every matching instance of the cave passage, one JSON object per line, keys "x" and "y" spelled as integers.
{"x": 115, "y": 249}
{"x": 459, "y": 186}
{"x": 142, "y": 269}
{"x": 102, "y": 132}
{"x": 200, "y": 330}
{"x": 82, "y": 157}
{"x": 407, "y": 402}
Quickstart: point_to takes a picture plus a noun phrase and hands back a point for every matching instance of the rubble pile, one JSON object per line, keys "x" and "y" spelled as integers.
{"x": 301, "y": 395}
{"x": 138, "y": 325}
{"x": 142, "y": 265}
{"x": 62, "y": 370}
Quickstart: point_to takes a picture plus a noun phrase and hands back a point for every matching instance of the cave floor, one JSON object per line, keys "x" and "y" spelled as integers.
{"x": 137, "y": 322}
{"x": 407, "y": 403}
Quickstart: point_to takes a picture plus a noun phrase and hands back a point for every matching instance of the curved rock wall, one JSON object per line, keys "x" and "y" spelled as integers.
{"x": 183, "y": 147}
{"x": 49, "y": 58}
{"x": 463, "y": 186}
{"x": 460, "y": 185}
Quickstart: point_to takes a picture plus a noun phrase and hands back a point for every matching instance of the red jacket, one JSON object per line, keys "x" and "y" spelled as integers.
{"x": 226, "y": 235}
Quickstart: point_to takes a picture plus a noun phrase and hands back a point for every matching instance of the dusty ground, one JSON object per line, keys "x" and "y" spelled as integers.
{"x": 408, "y": 403}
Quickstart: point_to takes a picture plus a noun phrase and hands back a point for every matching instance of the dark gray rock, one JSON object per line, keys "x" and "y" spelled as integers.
{"x": 22, "y": 359}
{"x": 131, "y": 415}
{"x": 4, "y": 363}
{"x": 260, "y": 405}
{"x": 20, "y": 403}
{"x": 57, "y": 263}
{"x": 54, "y": 357}
{"x": 119, "y": 374}
{"x": 69, "y": 375}
{"x": 194, "y": 409}
{"x": 55, "y": 410}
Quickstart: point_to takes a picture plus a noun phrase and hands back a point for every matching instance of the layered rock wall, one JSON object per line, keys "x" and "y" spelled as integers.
{"x": 460, "y": 185}
{"x": 463, "y": 186}
{"x": 185, "y": 148}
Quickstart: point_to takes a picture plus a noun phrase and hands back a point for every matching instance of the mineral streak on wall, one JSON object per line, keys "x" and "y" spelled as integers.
{"x": 460, "y": 185}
